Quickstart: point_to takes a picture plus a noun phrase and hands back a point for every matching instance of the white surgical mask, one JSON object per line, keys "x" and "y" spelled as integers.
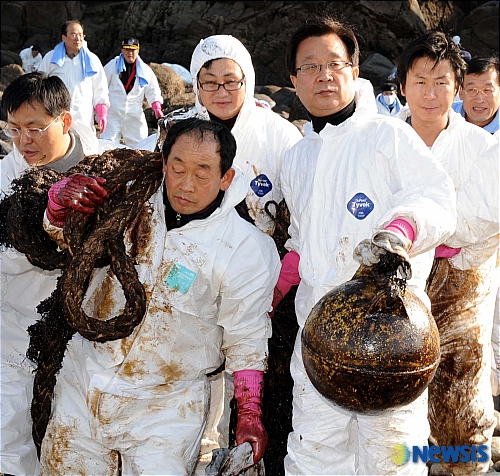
{"x": 389, "y": 100}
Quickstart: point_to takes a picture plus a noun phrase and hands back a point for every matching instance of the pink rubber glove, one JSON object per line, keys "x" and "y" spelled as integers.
{"x": 156, "y": 107}
{"x": 78, "y": 192}
{"x": 403, "y": 227}
{"x": 443, "y": 251}
{"x": 102, "y": 113}
{"x": 289, "y": 276}
{"x": 248, "y": 386}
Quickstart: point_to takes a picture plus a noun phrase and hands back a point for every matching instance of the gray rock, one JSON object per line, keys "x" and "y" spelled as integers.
{"x": 284, "y": 96}
{"x": 297, "y": 110}
{"x": 495, "y": 449}
{"x": 265, "y": 97}
{"x": 479, "y": 33}
{"x": 8, "y": 73}
{"x": 437, "y": 470}
{"x": 9, "y": 57}
{"x": 376, "y": 68}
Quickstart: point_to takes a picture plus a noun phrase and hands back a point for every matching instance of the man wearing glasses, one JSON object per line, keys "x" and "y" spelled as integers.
{"x": 83, "y": 74}
{"x": 224, "y": 82}
{"x": 39, "y": 124}
{"x": 480, "y": 94}
{"x": 359, "y": 184}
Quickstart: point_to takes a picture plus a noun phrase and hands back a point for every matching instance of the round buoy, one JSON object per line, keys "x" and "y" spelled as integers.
{"x": 370, "y": 344}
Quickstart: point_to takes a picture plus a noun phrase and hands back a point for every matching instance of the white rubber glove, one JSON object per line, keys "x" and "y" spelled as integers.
{"x": 368, "y": 252}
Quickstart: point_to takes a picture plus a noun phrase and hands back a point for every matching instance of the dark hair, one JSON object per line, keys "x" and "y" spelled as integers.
{"x": 198, "y": 129}
{"x": 436, "y": 46}
{"x": 37, "y": 87}
{"x": 64, "y": 27}
{"x": 37, "y": 47}
{"x": 389, "y": 87}
{"x": 321, "y": 26}
{"x": 482, "y": 64}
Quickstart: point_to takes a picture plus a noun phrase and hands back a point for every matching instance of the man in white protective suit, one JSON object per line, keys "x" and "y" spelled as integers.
{"x": 208, "y": 276}
{"x": 480, "y": 94}
{"x": 350, "y": 156}
{"x": 31, "y": 58}
{"x": 224, "y": 82}
{"x": 130, "y": 81}
{"x": 464, "y": 278}
{"x": 39, "y": 124}
{"x": 83, "y": 74}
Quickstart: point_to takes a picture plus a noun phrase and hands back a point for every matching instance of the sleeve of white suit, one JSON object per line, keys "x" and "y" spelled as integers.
{"x": 478, "y": 202}
{"x": 246, "y": 297}
{"x": 427, "y": 194}
{"x": 45, "y": 64}
{"x": 292, "y": 244}
{"x": 153, "y": 92}
{"x": 100, "y": 87}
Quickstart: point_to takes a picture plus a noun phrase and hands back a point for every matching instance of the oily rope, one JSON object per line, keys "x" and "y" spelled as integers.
{"x": 92, "y": 241}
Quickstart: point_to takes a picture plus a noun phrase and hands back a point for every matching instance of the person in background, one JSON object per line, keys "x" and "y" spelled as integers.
{"x": 140, "y": 403}
{"x": 130, "y": 81}
{"x": 83, "y": 74}
{"x": 480, "y": 94}
{"x": 353, "y": 159}
{"x": 31, "y": 58}
{"x": 387, "y": 101}
{"x": 39, "y": 123}
{"x": 463, "y": 281}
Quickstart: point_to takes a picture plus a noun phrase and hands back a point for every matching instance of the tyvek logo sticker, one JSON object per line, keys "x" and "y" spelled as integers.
{"x": 261, "y": 185}
{"x": 360, "y": 206}
{"x": 180, "y": 278}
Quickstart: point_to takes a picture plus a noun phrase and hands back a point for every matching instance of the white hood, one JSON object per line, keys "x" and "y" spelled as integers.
{"x": 223, "y": 46}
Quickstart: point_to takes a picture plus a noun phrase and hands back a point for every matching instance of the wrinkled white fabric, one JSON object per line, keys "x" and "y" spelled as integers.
{"x": 262, "y": 136}
{"x": 470, "y": 157}
{"x": 462, "y": 290}
{"x": 22, "y": 287}
{"x": 209, "y": 286}
{"x": 125, "y": 116}
{"x": 328, "y": 440}
{"x": 340, "y": 186}
{"x": 30, "y": 63}
{"x": 86, "y": 94}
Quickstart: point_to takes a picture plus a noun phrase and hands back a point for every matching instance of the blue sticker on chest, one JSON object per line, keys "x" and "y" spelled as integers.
{"x": 360, "y": 206}
{"x": 261, "y": 185}
{"x": 180, "y": 278}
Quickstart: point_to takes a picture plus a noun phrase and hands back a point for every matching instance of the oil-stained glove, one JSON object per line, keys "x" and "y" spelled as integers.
{"x": 289, "y": 276}
{"x": 368, "y": 252}
{"x": 156, "y": 107}
{"x": 79, "y": 192}
{"x": 248, "y": 386}
{"x": 102, "y": 116}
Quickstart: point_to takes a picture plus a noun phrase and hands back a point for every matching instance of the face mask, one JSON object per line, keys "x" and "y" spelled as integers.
{"x": 389, "y": 100}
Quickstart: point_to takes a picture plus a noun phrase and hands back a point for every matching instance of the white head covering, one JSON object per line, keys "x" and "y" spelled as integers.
{"x": 223, "y": 46}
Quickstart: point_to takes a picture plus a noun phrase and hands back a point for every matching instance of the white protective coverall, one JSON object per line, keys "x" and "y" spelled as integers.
{"x": 30, "y": 63}
{"x": 262, "y": 136}
{"x": 462, "y": 290}
{"x": 381, "y": 164}
{"x": 86, "y": 93}
{"x": 209, "y": 286}
{"x": 125, "y": 116}
{"x": 23, "y": 287}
